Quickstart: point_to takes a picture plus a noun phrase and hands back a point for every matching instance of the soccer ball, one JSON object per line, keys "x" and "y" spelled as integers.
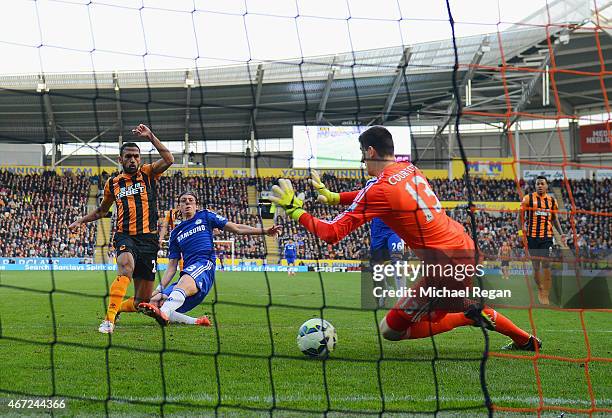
{"x": 316, "y": 338}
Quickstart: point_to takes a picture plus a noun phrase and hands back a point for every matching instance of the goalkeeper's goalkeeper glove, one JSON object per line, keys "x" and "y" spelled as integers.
{"x": 325, "y": 196}
{"x": 284, "y": 196}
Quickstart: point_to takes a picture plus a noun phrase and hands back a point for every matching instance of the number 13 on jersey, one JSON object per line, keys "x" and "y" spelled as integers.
{"x": 424, "y": 196}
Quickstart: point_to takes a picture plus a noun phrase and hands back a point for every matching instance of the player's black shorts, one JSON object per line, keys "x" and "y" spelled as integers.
{"x": 144, "y": 248}
{"x": 539, "y": 247}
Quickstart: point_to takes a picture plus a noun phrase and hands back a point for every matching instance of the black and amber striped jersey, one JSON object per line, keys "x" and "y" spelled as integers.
{"x": 540, "y": 212}
{"x": 173, "y": 218}
{"x": 135, "y": 196}
{"x": 505, "y": 250}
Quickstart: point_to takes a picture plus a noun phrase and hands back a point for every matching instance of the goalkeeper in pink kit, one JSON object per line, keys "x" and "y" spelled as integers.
{"x": 400, "y": 195}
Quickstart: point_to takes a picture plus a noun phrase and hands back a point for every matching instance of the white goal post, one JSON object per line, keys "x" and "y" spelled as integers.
{"x": 228, "y": 241}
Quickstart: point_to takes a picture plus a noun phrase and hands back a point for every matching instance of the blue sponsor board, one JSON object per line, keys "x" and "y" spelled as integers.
{"x": 80, "y": 264}
{"x": 265, "y": 267}
{"x": 40, "y": 261}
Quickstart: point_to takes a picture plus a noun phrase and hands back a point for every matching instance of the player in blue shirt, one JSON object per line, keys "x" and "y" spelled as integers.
{"x": 193, "y": 241}
{"x": 386, "y": 246}
{"x": 290, "y": 253}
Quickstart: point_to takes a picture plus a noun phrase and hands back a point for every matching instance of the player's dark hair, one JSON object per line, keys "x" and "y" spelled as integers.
{"x": 542, "y": 178}
{"x": 128, "y": 145}
{"x": 186, "y": 193}
{"x": 378, "y": 138}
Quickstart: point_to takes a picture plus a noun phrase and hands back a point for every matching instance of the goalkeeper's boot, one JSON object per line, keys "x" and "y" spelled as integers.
{"x": 203, "y": 321}
{"x": 529, "y": 346}
{"x": 154, "y": 312}
{"x": 480, "y": 318}
{"x": 106, "y": 327}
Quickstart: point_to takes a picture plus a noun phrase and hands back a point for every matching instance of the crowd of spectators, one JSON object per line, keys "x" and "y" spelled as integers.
{"x": 226, "y": 196}
{"x": 354, "y": 247}
{"x": 592, "y": 201}
{"x": 482, "y": 190}
{"x": 492, "y": 229}
{"x": 35, "y": 211}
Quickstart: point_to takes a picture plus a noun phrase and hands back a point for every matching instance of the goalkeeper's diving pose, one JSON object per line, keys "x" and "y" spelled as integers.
{"x": 401, "y": 197}
{"x": 193, "y": 240}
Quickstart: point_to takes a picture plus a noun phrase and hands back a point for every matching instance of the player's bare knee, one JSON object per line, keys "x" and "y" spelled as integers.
{"x": 389, "y": 333}
{"x": 188, "y": 285}
{"x": 125, "y": 267}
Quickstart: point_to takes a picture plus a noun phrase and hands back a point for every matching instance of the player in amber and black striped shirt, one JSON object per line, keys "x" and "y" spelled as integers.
{"x": 539, "y": 211}
{"x": 134, "y": 192}
{"x": 171, "y": 219}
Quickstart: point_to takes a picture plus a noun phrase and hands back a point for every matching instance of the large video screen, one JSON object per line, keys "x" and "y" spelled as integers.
{"x": 338, "y": 146}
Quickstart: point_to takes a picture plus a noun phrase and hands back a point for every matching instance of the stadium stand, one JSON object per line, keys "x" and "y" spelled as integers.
{"x": 26, "y": 232}
{"x": 484, "y": 190}
{"x": 35, "y": 211}
{"x": 593, "y": 230}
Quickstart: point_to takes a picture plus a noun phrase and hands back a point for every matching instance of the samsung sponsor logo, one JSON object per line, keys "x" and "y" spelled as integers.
{"x": 192, "y": 231}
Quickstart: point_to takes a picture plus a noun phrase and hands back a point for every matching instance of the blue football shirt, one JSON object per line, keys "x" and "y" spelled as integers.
{"x": 193, "y": 239}
{"x": 380, "y": 234}
{"x": 290, "y": 250}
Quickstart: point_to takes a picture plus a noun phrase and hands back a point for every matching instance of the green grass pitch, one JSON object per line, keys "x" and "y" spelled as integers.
{"x": 246, "y": 376}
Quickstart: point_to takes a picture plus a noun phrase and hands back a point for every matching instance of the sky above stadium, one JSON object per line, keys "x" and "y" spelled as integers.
{"x": 70, "y": 36}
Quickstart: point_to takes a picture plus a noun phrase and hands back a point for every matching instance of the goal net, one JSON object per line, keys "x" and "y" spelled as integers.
{"x": 484, "y": 98}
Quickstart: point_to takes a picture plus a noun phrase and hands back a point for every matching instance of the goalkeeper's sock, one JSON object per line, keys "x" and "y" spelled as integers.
{"x": 117, "y": 292}
{"x": 505, "y": 326}
{"x": 128, "y": 305}
{"x": 174, "y": 301}
{"x": 423, "y": 329}
{"x": 179, "y": 318}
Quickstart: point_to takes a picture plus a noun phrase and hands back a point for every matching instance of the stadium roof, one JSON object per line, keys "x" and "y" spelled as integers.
{"x": 392, "y": 85}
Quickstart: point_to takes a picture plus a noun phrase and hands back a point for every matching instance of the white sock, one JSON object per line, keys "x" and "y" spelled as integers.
{"x": 400, "y": 282}
{"x": 174, "y": 301}
{"x": 179, "y": 318}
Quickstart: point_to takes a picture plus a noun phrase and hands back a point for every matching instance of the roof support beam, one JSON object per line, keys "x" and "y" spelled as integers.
{"x": 42, "y": 88}
{"x": 87, "y": 143}
{"x": 118, "y": 107}
{"x": 397, "y": 82}
{"x": 189, "y": 82}
{"x": 326, "y": 91}
{"x": 529, "y": 90}
{"x": 259, "y": 80}
{"x": 452, "y": 107}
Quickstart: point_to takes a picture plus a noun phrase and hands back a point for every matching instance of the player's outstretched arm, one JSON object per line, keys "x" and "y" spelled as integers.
{"x": 167, "y": 159}
{"x": 163, "y": 229}
{"x": 241, "y": 229}
{"x": 98, "y": 213}
{"x": 331, "y": 232}
{"x": 168, "y": 275}
{"x": 555, "y": 218}
{"x": 326, "y": 196}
